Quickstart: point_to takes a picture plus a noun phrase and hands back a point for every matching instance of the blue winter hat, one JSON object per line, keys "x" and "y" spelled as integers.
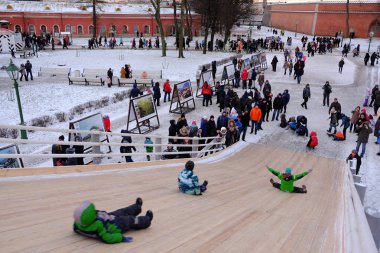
{"x": 288, "y": 171}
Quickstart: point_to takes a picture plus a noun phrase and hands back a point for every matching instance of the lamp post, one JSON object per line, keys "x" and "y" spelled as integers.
{"x": 13, "y": 72}
{"x": 370, "y": 39}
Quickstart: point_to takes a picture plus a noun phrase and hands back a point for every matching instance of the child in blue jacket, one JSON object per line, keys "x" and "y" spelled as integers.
{"x": 188, "y": 181}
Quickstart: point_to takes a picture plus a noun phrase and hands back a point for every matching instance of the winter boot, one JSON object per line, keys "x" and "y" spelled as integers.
{"x": 304, "y": 188}
{"x": 139, "y": 201}
{"x": 149, "y": 214}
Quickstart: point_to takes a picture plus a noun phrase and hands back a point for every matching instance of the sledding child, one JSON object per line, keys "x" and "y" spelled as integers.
{"x": 188, "y": 181}
{"x": 148, "y": 147}
{"x": 110, "y": 227}
{"x": 287, "y": 180}
{"x": 313, "y": 141}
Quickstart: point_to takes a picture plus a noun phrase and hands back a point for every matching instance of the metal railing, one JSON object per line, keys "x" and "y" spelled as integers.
{"x": 210, "y": 145}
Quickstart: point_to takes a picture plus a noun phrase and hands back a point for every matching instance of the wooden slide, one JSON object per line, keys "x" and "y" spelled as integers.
{"x": 240, "y": 212}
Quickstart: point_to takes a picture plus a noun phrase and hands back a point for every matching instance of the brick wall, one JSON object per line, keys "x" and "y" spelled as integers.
{"x": 326, "y": 18}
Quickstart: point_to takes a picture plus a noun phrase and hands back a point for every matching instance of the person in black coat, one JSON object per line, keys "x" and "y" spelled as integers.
{"x": 109, "y": 76}
{"x": 373, "y": 58}
{"x": 211, "y": 128}
{"x": 285, "y": 100}
{"x": 341, "y": 63}
{"x": 79, "y": 149}
{"x": 181, "y": 122}
{"x": 277, "y": 105}
{"x": 59, "y": 149}
{"x": 173, "y": 131}
{"x": 127, "y": 149}
{"x": 274, "y": 63}
{"x": 354, "y": 155}
{"x": 213, "y": 69}
{"x": 337, "y": 106}
{"x": 245, "y": 119}
{"x": 157, "y": 93}
{"x": 326, "y": 93}
{"x": 135, "y": 92}
{"x": 366, "y": 59}
{"x": 373, "y": 95}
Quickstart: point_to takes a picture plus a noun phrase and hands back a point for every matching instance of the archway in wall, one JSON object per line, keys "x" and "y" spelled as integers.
{"x": 17, "y": 28}
{"x": 375, "y": 27}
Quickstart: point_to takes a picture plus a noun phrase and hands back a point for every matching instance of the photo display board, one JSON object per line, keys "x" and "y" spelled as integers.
{"x": 141, "y": 111}
{"x": 205, "y": 77}
{"x": 256, "y": 61}
{"x": 247, "y": 63}
{"x": 182, "y": 96}
{"x": 263, "y": 61}
{"x": 89, "y": 123}
{"x": 228, "y": 73}
{"x": 6, "y": 163}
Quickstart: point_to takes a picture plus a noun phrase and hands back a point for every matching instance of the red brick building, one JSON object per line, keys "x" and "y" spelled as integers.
{"x": 120, "y": 19}
{"x": 326, "y": 18}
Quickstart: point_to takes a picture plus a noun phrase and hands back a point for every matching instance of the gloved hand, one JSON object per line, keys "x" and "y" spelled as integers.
{"x": 127, "y": 239}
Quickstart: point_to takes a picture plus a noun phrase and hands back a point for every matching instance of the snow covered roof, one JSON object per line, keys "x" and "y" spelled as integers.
{"x": 63, "y": 7}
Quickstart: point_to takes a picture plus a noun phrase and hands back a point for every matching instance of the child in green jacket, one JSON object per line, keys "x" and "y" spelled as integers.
{"x": 287, "y": 180}
{"x": 148, "y": 147}
{"x": 109, "y": 227}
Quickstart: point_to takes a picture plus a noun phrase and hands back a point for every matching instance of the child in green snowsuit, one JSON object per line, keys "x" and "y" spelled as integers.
{"x": 148, "y": 147}
{"x": 287, "y": 180}
{"x": 109, "y": 227}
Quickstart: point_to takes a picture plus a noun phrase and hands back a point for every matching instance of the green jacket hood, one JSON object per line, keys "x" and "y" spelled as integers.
{"x": 85, "y": 214}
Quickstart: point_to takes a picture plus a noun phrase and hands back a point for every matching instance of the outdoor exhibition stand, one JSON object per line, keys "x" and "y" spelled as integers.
{"x": 142, "y": 110}
{"x": 182, "y": 98}
{"x": 205, "y": 77}
{"x": 228, "y": 74}
{"x": 10, "y": 162}
{"x": 92, "y": 122}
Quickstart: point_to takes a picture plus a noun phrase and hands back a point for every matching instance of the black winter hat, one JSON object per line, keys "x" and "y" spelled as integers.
{"x": 189, "y": 165}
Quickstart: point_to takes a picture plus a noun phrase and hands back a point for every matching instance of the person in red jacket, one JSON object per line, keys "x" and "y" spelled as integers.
{"x": 244, "y": 77}
{"x": 206, "y": 92}
{"x": 107, "y": 123}
{"x": 313, "y": 141}
{"x": 167, "y": 90}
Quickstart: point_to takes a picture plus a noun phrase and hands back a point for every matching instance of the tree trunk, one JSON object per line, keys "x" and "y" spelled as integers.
{"x": 157, "y": 7}
{"x": 227, "y": 34}
{"x": 181, "y": 45}
{"x": 176, "y": 24}
{"x": 189, "y": 21}
{"x": 205, "y": 46}
{"x": 94, "y": 17}
{"x": 212, "y": 38}
{"x": 347, "y": 19}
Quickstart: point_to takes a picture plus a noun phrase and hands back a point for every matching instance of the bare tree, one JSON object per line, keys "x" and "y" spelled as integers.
{"x": 181, "y": 29}
{"x": 94, "y": 17}
{"x": 347, "y": 18}
{"x": 157, "y": 14}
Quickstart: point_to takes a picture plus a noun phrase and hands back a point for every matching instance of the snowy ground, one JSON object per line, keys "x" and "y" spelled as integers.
{"x": 348, "y": 87}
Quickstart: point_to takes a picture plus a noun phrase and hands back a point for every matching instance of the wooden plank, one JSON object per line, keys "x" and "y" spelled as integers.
{"x": 240, "y": 212}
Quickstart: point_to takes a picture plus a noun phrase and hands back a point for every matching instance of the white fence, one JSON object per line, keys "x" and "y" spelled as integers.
{"x": 211, "y": 145}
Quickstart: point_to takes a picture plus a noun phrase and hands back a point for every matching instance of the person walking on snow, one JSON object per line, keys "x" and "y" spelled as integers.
{"x": 341, "y": 63}
{"x": 167, "y": 90}
{"x": 244, "y": 77}
{"x": 364, "y": 132}
{"x": 274, "y": 63}
{"x": 287, "y": 180}
{"x": 326, "y": 93}
{"x": 306, "y": 94}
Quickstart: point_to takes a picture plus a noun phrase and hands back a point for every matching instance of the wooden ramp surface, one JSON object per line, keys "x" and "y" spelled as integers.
{"x": 240, "y": 212}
